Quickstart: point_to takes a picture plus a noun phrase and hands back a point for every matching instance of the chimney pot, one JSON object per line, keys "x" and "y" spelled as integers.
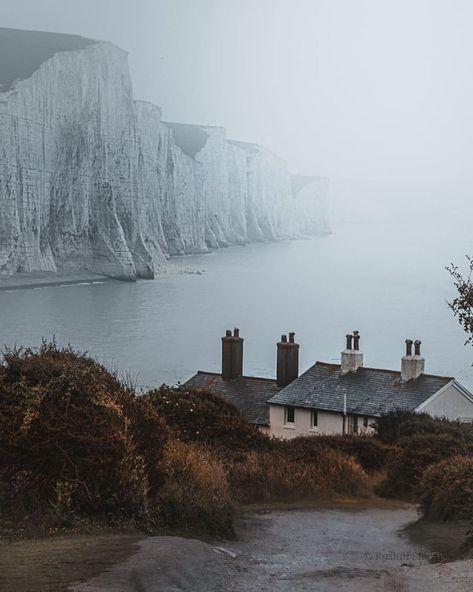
{"x": 356, "y": 339}
{"x": 352, "y": 359}
{"x": 287, "y": 368}
{"x": 232, "y": 355}
{"x": 349, "y": 341}
{"x": 412, "y": 366}
{"x": 409, "y": 344}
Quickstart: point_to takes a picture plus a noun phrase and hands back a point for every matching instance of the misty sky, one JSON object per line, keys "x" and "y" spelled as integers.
{"x": 377, "y": 95}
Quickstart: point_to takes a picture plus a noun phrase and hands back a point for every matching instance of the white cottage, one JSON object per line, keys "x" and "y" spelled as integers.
{"x": 343, "y": 398}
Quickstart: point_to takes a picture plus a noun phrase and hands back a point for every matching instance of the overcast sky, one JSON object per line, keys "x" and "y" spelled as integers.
{"x": 377, "y": 95}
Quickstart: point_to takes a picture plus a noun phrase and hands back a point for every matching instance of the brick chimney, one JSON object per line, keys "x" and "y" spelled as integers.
{"x": 287, "y": 368}
{"x": 352, "y": 358}
{"x": 232, "y": 355}
{"x": 412, "y": 364}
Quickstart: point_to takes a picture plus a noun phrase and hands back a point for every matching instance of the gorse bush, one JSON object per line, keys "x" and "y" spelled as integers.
{"x": 196, "y": 494}
{"x": 284, "y": 475}
{"x": 446, "y": 489}
{"x": 199, "y": 416}
{"x": 369, "y": 452}
{"x": 414, "y": 454}
{"x": 73, "y": 438}
{"x": 394, "y": 426}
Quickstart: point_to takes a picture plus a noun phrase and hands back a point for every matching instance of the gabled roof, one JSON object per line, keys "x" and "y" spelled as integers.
{"x": 249, "y": 395}
{"x": 369, "y": 391}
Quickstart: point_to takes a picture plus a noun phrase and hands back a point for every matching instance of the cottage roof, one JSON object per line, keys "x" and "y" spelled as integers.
{"x": 248, "y": 394}
{"x": 369, "y": 391}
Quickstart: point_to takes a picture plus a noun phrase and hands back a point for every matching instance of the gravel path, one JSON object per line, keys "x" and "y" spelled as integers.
{"x": 291, "y": 551}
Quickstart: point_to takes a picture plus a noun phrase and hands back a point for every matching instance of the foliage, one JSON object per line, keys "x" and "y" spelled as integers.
{"x": 368, "y": 451}
{"x": 195, "y": 495}
{"x": 446, "y": 489}
{"x": 462, "y": 305}
{"x": 197, "y": 416}
{"x": 76, "y": 442}
{"x": 414, "y": 454}
{"x": 288, "y": 473}
{"x": 72, "y": 437}
{"x": 396, "y": 425}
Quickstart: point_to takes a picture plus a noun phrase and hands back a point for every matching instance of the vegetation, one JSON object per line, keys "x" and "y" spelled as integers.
{"x": 446, "y": 489}
{"x": 431, "y": 463}
{"x": 408, "y": 462}
{"x": 73, "y": 439}
{"x": 76, "y": 444}
{"x": 462, "y": 305}
{"x": 202, "y": 417}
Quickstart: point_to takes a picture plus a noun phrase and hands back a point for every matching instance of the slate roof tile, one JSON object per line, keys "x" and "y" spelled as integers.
{"x": 249, "y": 395}
{"x": 369, "y": 391}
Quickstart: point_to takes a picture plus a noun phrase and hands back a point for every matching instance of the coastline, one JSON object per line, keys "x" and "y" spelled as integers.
{"x": 26, "y": 281}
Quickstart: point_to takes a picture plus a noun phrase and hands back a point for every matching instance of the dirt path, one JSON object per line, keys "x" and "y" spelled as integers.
{"x": 50, "y": 565}
{"x": 291, "y": 551}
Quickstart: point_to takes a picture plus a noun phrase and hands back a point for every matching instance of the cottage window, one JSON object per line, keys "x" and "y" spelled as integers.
{"x": 290, "y": 414}
{"x": 365, "y": 421}
{"x": 314, "y": 418}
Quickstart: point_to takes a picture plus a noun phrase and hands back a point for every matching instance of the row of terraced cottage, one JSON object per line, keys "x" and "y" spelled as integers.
{"x": 344, "y": 398}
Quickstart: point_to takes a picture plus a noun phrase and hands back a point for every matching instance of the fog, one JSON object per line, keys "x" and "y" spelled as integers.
{"x": 376, "y": 95}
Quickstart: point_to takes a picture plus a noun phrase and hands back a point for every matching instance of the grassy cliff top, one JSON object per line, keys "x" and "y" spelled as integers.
{"x": 23, "y": 52}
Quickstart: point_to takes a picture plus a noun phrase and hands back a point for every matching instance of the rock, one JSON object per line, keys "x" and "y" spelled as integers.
{"x": 93, "y": 181}
{"x": 226, "y": 552}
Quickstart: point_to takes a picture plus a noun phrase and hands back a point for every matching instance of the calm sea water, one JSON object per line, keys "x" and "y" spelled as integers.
{"x": 388, "y": 283}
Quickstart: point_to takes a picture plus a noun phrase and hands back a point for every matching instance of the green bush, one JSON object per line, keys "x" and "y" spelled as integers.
{"x": 394, "y": 426}
{"x": 446, "y": 489}
{"x": 413, "y": 455}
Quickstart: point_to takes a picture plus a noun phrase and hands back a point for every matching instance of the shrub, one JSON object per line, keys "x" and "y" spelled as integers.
{"x": 394, "y": 426}
{"x": 197, "y": 416}
{"x": 70, "y": 432}
{"x": 285, "y": 475}
{"x": 370, "y": 453}
{"x": 195, "y": 495}
{"x": 412, "y": 457}
{"x": 446, "y": 489}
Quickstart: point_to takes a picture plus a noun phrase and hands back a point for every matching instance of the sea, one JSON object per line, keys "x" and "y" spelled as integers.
{"x": 387, "y": 281}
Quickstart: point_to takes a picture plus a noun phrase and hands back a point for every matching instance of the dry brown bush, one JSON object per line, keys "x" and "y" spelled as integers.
{"x": 446, "y": 489}
{"x": 195, "y": 495}
{"x": 75, "y": 436}
{"x": 278, "y": 476}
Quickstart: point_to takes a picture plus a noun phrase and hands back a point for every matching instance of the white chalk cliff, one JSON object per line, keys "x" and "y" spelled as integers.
{"x": 92, "y": 180}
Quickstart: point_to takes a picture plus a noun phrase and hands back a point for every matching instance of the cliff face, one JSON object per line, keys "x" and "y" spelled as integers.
{"x": 92, "y": 180}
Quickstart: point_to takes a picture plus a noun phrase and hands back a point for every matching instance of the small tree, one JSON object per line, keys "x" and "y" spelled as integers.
{"x": 462, "y": 305}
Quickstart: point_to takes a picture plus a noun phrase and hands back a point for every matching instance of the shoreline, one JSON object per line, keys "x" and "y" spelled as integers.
{"x": 28, "y": 281}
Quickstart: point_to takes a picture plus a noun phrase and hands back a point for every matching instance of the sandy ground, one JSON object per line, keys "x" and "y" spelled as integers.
{"x": 292, "y": 551}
